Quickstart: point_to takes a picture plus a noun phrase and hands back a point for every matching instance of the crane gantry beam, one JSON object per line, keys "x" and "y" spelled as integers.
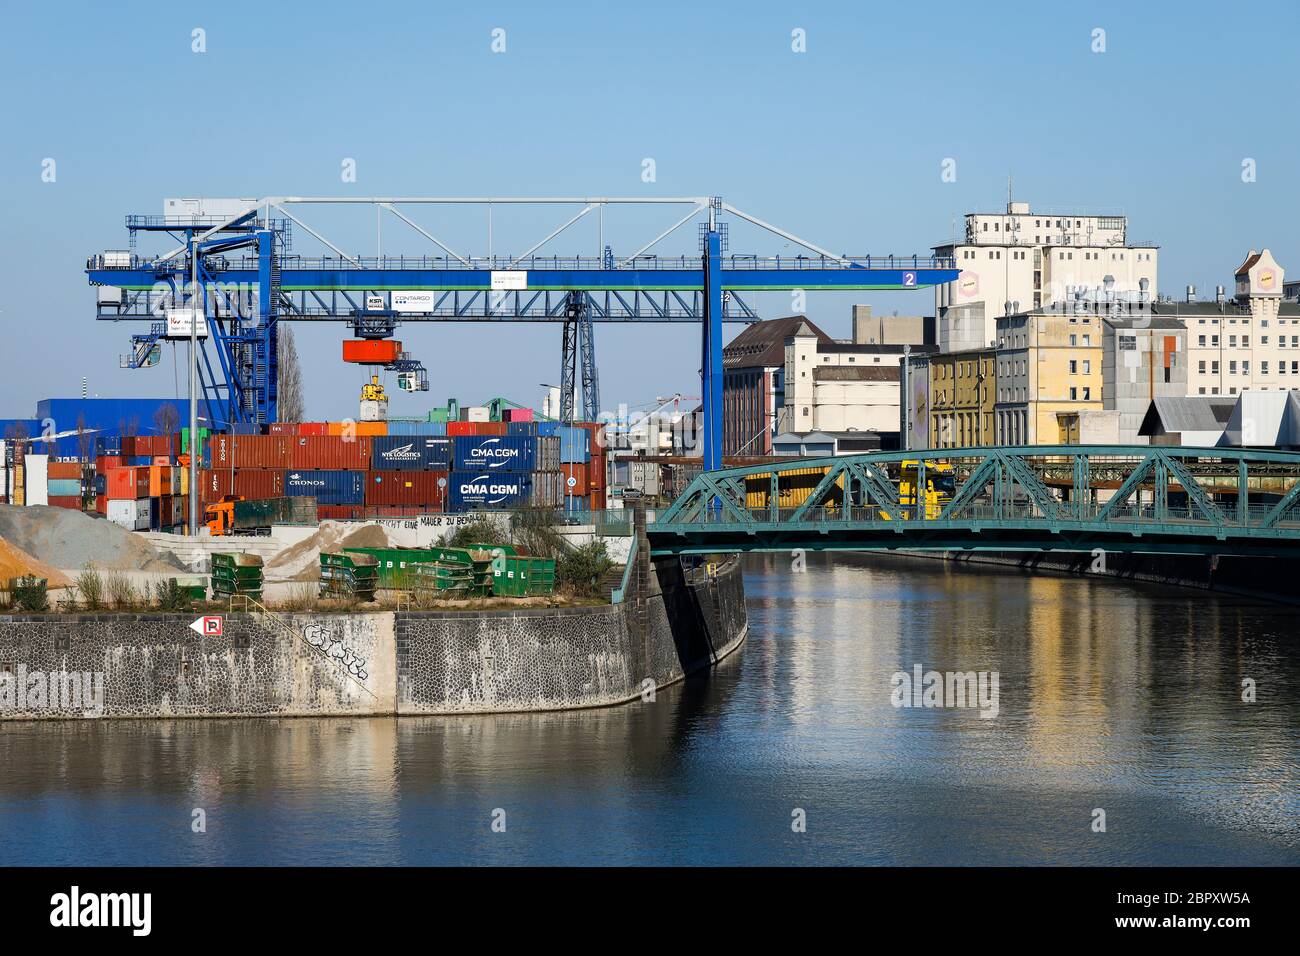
{"x": 250, "y": 280}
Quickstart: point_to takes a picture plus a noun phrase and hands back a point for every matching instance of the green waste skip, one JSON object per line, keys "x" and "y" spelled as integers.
{"x": 348, "y": 575}
{"x": 523, "y": 576}
{"x": 237, "y": 574}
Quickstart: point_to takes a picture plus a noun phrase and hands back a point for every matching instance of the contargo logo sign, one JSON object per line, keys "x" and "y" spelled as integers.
{"x": 490, "y": 489}
{"x": 494, "y": 454}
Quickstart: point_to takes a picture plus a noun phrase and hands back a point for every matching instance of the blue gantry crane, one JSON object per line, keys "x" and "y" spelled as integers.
{"x": 249, "y": 279}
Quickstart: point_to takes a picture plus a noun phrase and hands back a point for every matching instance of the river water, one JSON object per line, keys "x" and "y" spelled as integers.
{"x": 1111, "y": 697}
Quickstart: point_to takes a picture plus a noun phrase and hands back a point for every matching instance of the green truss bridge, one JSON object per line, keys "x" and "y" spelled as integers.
{"x": 1141, "y": 499}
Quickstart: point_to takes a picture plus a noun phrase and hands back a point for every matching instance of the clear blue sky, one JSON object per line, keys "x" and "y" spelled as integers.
{"x": 841, "y": 144}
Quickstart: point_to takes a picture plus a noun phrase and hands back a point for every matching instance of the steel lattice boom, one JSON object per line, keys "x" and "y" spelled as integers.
{"x": 1040, "y": 498}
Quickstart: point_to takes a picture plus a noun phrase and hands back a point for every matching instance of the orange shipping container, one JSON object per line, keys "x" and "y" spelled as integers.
{"x": 64, "y": 469}
{"x": 371, "y": 351}
{"x": 357, "y": 429}
{"x": 65, "y": 501}
{"x": 160, "y": 480}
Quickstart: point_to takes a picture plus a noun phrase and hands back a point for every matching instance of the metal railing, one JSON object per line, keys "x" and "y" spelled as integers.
{"x": 684, "y": 263}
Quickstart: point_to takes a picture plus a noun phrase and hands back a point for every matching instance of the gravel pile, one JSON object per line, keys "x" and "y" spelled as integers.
{"x": 16, "y": 563}
{"x": 301, "y": 562}
{"x": 63, "y": 538}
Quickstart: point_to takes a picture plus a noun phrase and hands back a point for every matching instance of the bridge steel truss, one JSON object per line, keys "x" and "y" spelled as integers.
{"x": 250, "y": 284}
{"x": 1072, "y": 498}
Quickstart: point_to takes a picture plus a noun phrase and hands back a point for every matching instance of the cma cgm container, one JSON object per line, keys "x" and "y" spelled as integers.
{"x": 425, "y": 488}
{"x": 467, "y": 490}
{"x": 329, "y": 453}
{"x": 409, "y": 453}
{"x": 494, "y": 452}
{"x": 328, "y": 487}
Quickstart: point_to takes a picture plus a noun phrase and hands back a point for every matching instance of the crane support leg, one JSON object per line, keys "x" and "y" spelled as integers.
{"x": 711, "y": 351}
{"x": 569, "y": 358}
{"x": 590, "y": 376}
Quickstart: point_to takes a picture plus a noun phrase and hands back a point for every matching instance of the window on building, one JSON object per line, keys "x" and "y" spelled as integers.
{"x": 1200, "y": 340}
{"x": 1074, "y": 367}
{"x": 1087, "y": 393}
{"x": 1214, "y": 368}
{"x": 1074, "y": 394}
{"x": 1087, "y": 366}
{"x": 1263, "y": 368}
{"x": 1074, "y": 339}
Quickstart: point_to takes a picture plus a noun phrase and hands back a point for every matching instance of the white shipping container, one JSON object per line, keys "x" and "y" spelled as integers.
{"x": 477, "y": 413}
{"x": 132, "y": 515}
{"x": 38, "y": 472}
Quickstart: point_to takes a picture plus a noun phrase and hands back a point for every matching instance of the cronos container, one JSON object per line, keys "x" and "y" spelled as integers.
{"x": 467, "y": 490}
{"x": 409, "y": 453}
{"x": 405, "y": 488}
{"x": 328, "y": 487}
{"x": 329, "y": 453}
{"x": 494, "y": 453}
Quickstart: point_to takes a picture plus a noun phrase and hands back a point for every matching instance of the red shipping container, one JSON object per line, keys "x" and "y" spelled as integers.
{"x": 578, "y": 471}
{"x": 405, "y": 487}
{"x": 101, "y": 504}
{"x": 313, "y": 428}
{"x": 462, "y": 428}
{"x": 162, "y": 459}
{"x": 371, "y": 351}
{"x": 105, "y": 462}
{"x": 63, "y": 469}
{"x": 491, "y": 428}
{"x": 251, "y": 483}
{"x": 329, "y": 453}
{"x": 65, "y": 501}
{"x": 282, "y": 428}
{"x": 337, "y": 512}
{"x": 127, "y": 484}
{"x": 249, "y": 451}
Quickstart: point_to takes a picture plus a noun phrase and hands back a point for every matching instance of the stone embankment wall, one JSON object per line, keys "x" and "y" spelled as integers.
{"x": 155, "y": 665}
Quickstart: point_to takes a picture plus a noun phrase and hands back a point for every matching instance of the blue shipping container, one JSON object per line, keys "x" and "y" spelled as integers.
{"x": 547, "y": 429}
{"x": 575, "y": 445}
{"x": 521, "y": 428}
{"x": 409, "y": 453}
{"x": 416, "y": 428}
{"x": 328, "y": 487}
{"x": 487, "y": 489}
{"x": 64, "y": 487}
{"x": 494, "y": 452}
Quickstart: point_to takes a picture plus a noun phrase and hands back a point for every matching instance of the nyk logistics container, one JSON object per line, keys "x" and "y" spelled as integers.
{"x": 409, "y": 453}
{"x": 495, "y": 452}
{"x": 406, "y": 488}
{"x": 328, "y": 487}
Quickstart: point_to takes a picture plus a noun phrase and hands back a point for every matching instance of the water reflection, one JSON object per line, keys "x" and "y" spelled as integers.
{"x": 1115, "y": 696}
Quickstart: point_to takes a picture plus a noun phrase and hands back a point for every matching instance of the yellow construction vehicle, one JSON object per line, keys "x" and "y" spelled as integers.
{"x": 374, "y": 401}
{"x": 940, "y": 486}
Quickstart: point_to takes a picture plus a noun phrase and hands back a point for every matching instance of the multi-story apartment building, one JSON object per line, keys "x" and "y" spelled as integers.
{"x": 838, "y": 387}
{"x": 962, "y": 394}
{"x": 753, "y": 389}
{"x": 1048, "y": 376}
{"x": 1019, "y": 261}
{"x": 1251, "y": 341}
{"x": 1144, "y": 357}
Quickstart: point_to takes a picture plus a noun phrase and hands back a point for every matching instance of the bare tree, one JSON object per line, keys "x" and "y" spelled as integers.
{"x": 166, "y": 419}
{"x": 290, "y": 404}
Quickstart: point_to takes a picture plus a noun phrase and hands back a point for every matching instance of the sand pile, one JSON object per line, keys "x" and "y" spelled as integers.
{"x": 17, "y": 563}
{"x": 301, "y": 562}
{"x": 63, "y": 538}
